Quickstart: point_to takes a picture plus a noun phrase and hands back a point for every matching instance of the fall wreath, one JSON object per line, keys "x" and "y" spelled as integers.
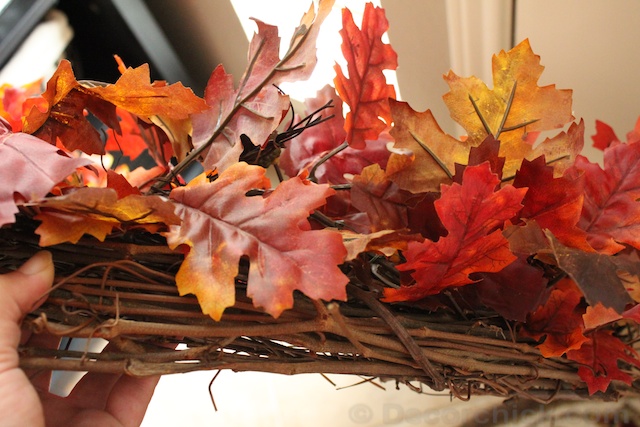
{"x": 496, "y": 264}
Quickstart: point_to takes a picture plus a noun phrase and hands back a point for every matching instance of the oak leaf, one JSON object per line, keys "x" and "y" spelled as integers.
{"x": 365, "y": 90}
{"x": 256, "y": 108}
{"x": 96, "y": 212}
{"x": 473, "y": 213}
{"x": 34, "y": 167}
{"x": 386, "y": 242}
{"x": 222, "y": 225}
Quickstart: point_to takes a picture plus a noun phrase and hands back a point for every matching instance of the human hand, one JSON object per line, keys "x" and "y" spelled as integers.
{"x": 97, "y": 400}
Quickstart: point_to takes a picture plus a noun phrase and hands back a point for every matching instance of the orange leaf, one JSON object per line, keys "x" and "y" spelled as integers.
{"x": 434, "y": 153}
{"x": 222, "y": 225}
{"x": 97, "y": 211}
{"x": 473, "y": 213}
{"x": 531, "y": 109}
{"x": 64, "y": 116}
{"x": 365, "y": 90}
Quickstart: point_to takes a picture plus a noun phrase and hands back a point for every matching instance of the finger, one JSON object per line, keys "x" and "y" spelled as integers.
{"x": 21, "y": 289}
{"x": 130, "y": 398}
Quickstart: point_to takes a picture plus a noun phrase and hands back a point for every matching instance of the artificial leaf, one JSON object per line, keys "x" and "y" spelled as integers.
{"x": 515, "y": 106}
{"x": 558, "y": 320}
{"x": 594, "y": 273}
{"x": 554, "y": 203}
{"x": 514, "y": 291}
{"x": 473, "y": 214}
{"x": 221, "y": 225}
{"x": 13, "y": 99}
{"x": 119, "y": 183}
{"x": 605, "y": 136}
{"x": 385, "y": 204}
{"x": 365, "y": 90}
{"x": 433, "y": 152}
{"x": 487, "y": 151}
{"x": 611, "y": 213}
{"x": 256, "y": 108}
{"x": 314, "y": 143}
{"x": 34, "y": 167}
{"x": 97, "y": 211}
{"x": 599, "y": 360}
{"x": 386, "y": 242}
{"x": 256, "y": 118}
{"x": 64, "y": 117}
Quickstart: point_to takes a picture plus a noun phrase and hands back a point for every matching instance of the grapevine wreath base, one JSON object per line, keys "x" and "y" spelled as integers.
{"x": 124, "y": 292}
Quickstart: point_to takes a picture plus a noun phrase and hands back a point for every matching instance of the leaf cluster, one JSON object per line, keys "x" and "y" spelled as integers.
{"x": 379, "y": 197}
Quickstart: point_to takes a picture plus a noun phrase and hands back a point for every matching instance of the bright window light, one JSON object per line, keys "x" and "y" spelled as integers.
{"x": 286, "y": 14}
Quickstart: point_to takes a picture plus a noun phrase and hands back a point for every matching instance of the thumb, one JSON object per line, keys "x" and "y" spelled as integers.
{"x": 21, "y": 289}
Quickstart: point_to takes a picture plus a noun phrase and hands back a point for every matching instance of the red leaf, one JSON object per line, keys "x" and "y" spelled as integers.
{"x": 385, "y": 204}
{"x": 222, "y": 225}
{"x": 33, "y": 168}
{"x": 473, "y": 214}
{"x": 604, "y": 137}
{"x": 611, "y": 213}
{"x": 554, "y": 203}
{"x": 365, "y": 90}
{"x": 559, "y": 320}
{"x": 516, "y": 290}
{"x": 599, "y": 357}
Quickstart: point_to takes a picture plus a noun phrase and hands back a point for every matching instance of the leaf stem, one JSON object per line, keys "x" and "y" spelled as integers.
{"x": 432, "y": 154}
{"x": 480, "y": 116}
{"x": 330, "y": 154}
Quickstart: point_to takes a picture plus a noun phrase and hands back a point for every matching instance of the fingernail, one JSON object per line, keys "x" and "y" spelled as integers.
{"x": 37, "y": 263}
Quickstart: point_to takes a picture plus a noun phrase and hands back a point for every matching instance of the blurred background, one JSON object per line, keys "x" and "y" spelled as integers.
{"x": 585, "y": 45}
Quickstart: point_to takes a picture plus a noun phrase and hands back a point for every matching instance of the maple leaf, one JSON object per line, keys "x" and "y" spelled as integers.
{"x": 554, "y": 203}
{"x": 97, "y": 211}
{"x": 599, "y": 358}
{"x": 605, "y": 136}
{"x": 221, "y": 225}
{"x": 314, "y": 143}
{"x": 611, "y": 213}
{"x": 365, "y": 90}
{"x": 64, "y": 117}
{"x": 514, "y": 107}
{"x": 385, "y": 204}
{"x": 256, "y": 108}
{"x": 558, "y": 320}
{"x": 473, "y": 214}
{"x": 433, "y": 152}
{"x": 35, "y": 168}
